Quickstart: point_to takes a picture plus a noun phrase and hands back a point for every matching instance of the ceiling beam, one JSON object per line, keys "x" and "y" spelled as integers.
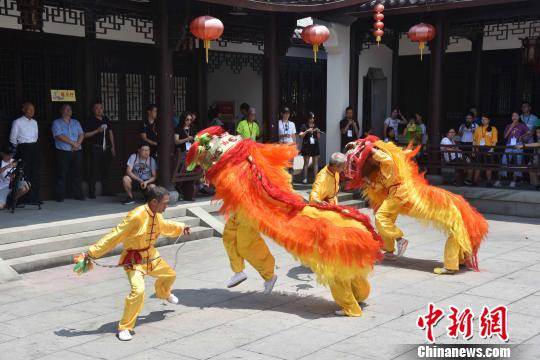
{"x": 288, "y": 7}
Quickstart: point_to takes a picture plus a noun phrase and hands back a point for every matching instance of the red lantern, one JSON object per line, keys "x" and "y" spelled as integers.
{"x": 315, "y": 35}
{"x": 206, "y": 28}
{"x": 379, "y": 25}
{"x": 422, "y": 33}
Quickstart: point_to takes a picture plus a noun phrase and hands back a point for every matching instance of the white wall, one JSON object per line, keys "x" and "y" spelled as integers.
{"x": 374, "y": 57}
{"x": 337, "y": 80}
{"x": 224, "y": 85}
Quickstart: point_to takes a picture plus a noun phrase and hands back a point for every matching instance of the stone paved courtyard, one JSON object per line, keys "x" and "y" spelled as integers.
{"x": 54, "y": 314}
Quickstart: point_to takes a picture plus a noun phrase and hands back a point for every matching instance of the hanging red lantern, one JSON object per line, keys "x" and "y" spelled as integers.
{"x": 422, "y": 33}
{"x": 378, "y": 16}
{"x": 379, "y": 25}
{"x": 206, "y": 28}
{"x": 315, "y": 35}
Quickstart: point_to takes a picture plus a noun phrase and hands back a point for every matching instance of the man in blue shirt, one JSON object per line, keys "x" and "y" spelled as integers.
{"x": 68, "y": 137}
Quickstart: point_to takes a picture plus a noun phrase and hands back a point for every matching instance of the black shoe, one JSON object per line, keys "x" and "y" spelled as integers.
{"x": 59, "y": 200}
{"x": 80, "y": 198}
{"x": 91, "y": 196}
{"x": 129, "y": 201}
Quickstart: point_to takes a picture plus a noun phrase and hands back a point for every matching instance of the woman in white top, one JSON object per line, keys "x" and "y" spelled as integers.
{"x": 286, "y": 128}
{"x": 466, "y": 130}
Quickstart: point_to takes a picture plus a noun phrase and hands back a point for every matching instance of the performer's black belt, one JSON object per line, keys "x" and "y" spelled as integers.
{"x": 27, "y": 144}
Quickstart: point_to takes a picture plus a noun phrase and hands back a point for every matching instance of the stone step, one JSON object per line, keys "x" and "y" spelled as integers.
{"x": 65, "y": 257}
{"x": 56, "y": 243}
{"x": 58, "y": 228}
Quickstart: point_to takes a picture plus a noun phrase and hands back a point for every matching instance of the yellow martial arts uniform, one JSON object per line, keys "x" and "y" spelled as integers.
{"x": 325, "y": 188}
{"x": 243, "y": 241}
{"x": 346, "y": 293}
{"x": 398, "y": 201}
{"x": 140, "y": 230}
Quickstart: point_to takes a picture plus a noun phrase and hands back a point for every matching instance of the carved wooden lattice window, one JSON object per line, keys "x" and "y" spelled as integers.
{"x": 134, "y": 97}
{"x": 109, "y": 94}
{"x": 34, "y": 84}
{"x": 8, "y": 108}
{"x": 179, "y": 93}
{"x": 152, "y": 89}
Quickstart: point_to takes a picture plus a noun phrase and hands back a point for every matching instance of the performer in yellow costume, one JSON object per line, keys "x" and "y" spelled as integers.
{"x": 338, "y": 243}
{"x": 326, "y": 184}
{"x": 393, "y": 185}
{"x": 325, "y": 191}
{"x": 138, "y": 233}
{"x": 242, "y": 241}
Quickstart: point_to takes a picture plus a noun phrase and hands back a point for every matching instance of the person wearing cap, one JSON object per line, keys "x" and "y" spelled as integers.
{"x": 249, "y": 129}
{"x": 286, "y": 128}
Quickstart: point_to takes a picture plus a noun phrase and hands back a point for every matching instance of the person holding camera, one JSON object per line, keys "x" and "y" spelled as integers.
{"x": 8, "y": 169}
{"x": 349, "y": 128}
{"x": 99, "y": 138}
{"x": 310, "y": 135}
{"x": 141, "y": 173}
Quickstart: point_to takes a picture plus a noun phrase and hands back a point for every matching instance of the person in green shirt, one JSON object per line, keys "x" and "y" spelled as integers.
{"x": 413, "y": 133}
{"x": 249, "y": 129}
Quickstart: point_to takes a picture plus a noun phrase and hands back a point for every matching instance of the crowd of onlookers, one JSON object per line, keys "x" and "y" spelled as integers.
{"x": 473, "y": 141}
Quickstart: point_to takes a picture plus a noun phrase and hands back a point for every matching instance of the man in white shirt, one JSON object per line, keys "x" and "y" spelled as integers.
{"x": 286, "y": 128}
{"x": 395, "y": 119}
{"x": 24, "y": 137}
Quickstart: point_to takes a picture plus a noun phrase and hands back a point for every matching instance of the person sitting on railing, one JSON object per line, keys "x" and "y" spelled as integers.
{"x": 485, "y": 138}
{"x": 514, "y": 134}
{"x": 452, "y": 154}
{"x": 535, "y": 144}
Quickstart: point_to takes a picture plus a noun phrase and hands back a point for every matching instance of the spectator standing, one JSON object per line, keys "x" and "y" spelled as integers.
{"x": 394, "y": 120}
{"x": 476, "y": 117}
{"x": 99, "y": 141}
{"x": 244, "y": 109}
{"x": 514, "y": 134}
{"x": 7, "y": 165}
{"x": 286, "y": 128}
{"x": 141, "y": 173}
{"x": 23, "y": 137}
{"x": 420, "y": 122}
{"x": 349, "y": 128}
{"x": 535, "y": 144}
{"x": 466, "y": 130}
{"x": 68, "y": 137}
{"x": 528, "y": 117}
{"x": 249, "y": 129}
{"x": 412, "y": 133}
{"x": 311, "y": 136}
{"x": 149, "y": 129}
{"x": 484, "y": 138}
{"x": 390, "y": 136}
{"x": 215, "y": 117}
{"x": 183, "y": 138}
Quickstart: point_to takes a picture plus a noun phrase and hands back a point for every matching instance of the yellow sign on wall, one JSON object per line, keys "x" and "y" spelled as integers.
{"x": 63, "y": 95}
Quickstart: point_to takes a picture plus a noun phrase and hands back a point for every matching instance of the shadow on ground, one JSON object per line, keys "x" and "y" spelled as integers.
{"x": 112, "y": 327}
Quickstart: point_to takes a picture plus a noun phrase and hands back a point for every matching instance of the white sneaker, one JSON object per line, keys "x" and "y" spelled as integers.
{"x": 497, "y": 184}
{"x": 401, "y": 247}
{"x": 513, "y": 184}
{"x": 390, "y": 256}
{"x": 269, "y": 285}
{"x": 172, "y": 299}
{"x": 124, "y": 335}
{"x": 237, "y": 278}
{"x": 340, "y": 313}
{"x": 304, "y": 181}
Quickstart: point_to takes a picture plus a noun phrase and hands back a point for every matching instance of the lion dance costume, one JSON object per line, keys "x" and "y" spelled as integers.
{"x": 394, "y": 186}
{"x": 337, "y": 243}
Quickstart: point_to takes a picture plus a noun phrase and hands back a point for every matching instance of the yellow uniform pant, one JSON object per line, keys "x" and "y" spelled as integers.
{"x": 133, "y": 304}
{"x": 243, "y": 241}
{"x": 385, "y": 220}
{"x": 348, "y": 294}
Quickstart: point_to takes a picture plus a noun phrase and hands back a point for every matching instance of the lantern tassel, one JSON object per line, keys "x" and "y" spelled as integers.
{"x": 206, "y": 47}
{"x": 378, "y": 40}
{"x": 422, "y": 46}
{"x": 315, "y": 51}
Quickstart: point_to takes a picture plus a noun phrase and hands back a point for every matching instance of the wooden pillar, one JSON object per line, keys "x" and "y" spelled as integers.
{"x": 164, "y": 94}
{"x": 271, "y": 80}
{"x": 90, "y": 92}
{"x": 201, "y": 88}
{"x": 435, "y": 118}
{"x": 355, "y": 47}
{"x": 395, "y": 68}
{"x": 477, "y": 43}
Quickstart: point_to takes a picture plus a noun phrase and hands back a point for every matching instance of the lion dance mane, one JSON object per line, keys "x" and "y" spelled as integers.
{"x": 251, "y": 178}
{"x": 429, "y": 204}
